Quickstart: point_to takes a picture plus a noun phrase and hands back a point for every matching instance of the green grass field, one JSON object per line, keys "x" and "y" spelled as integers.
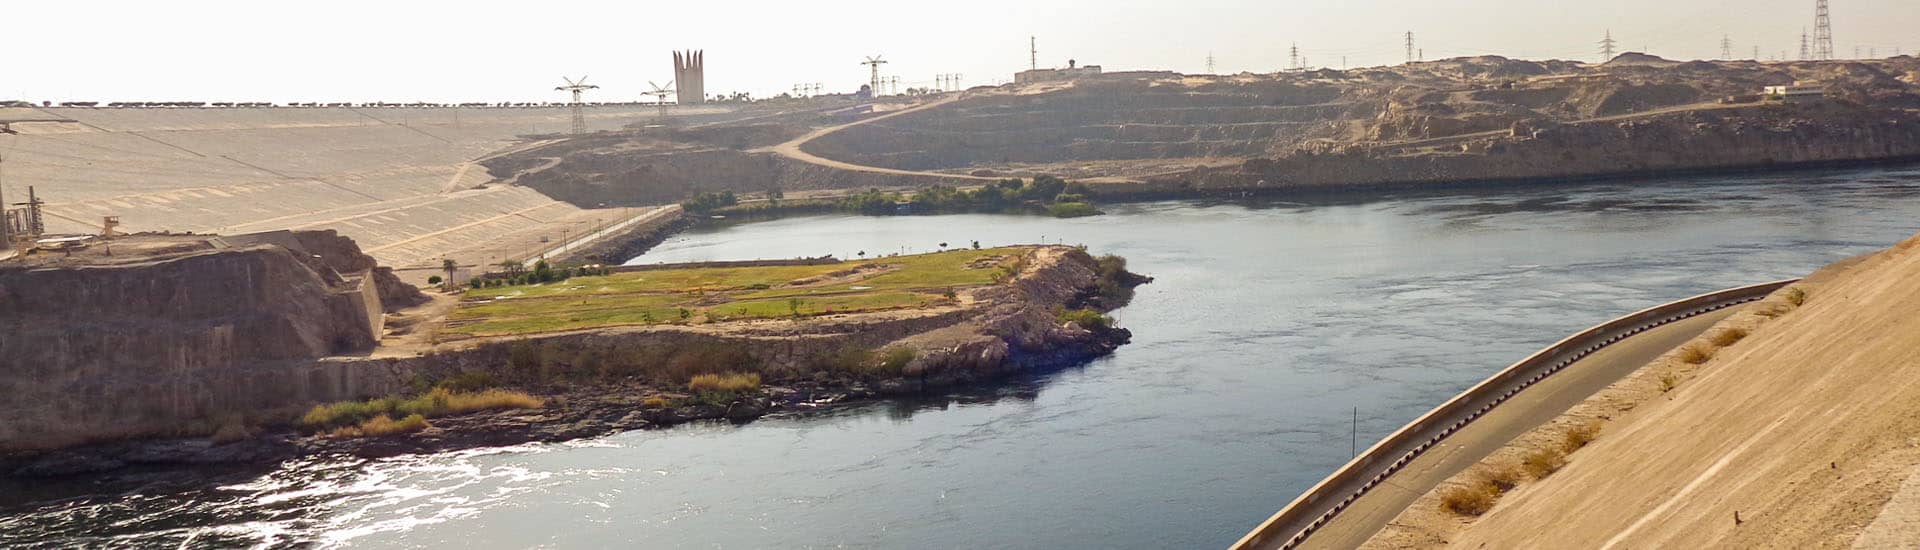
{"x": 705, "y": 295}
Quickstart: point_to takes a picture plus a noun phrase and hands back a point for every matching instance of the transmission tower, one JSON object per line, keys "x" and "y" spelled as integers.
{"x": 1210, "y": 63}
{"x": 1294, "y": 54}
{"x": 1606, "y": 47}
{"x": 1726, "y": 47}
{"x": 1033, "y": 53}
{"x": 893, "y": 85}
{"x": 1803, "y": 45}
{"x": 660, "y": 94}
{"x": 1822, "y": 32}
{"x": 1756, "y": 53}
{"x": 577, "y": 87}
{"x": 1409, "y": 47}
{"x": 874, "y": 62}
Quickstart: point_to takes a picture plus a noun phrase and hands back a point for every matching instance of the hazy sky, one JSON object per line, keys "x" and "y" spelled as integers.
{"x": 408, "y": 50}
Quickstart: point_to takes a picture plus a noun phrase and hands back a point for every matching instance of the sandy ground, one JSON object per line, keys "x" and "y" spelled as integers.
{"x": 1805, "y": 430}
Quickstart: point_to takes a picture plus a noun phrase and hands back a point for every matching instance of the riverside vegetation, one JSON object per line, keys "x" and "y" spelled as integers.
{"x": 1042, "y": 195}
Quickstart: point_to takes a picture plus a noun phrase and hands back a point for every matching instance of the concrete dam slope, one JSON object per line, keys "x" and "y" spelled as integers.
{"x": 1798, "y": 436}
{"x": 403, "y": 182}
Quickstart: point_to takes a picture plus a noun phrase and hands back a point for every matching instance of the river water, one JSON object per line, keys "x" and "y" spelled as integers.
{"x": 1269, "y": 324}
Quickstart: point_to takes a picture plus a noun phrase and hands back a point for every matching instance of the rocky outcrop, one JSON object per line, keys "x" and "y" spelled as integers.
{"x": 102, "y": 351}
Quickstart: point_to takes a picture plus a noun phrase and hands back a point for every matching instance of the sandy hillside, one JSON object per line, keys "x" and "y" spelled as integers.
{"x": 1805, "y": 429}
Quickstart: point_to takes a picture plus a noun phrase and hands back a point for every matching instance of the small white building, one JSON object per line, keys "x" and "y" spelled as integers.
{"x": 1799, "y": 91}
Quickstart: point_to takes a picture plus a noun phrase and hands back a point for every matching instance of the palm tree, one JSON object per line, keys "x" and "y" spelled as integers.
{"x": 450, "y": 266}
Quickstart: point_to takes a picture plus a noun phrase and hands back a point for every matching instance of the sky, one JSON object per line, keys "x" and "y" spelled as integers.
{"x": 481, "y": 50}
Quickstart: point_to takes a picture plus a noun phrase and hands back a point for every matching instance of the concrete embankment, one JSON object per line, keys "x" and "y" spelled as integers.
{"x": 1796, "y": 436}
{"x": 1359, "y": 483}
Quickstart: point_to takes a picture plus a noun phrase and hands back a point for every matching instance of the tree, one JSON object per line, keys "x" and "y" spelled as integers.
{"x": 450, "y": 266}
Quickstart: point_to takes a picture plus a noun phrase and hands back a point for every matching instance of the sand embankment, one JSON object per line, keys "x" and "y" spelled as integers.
{"x": 1802, "y": 431}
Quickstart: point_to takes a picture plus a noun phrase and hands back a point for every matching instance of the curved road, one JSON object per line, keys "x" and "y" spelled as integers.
{"x": 1527, "y": 410}
{"x": 792, "y": 148}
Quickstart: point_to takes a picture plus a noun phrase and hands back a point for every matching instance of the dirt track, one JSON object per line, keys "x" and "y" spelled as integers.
{"x": 796, "y": 148}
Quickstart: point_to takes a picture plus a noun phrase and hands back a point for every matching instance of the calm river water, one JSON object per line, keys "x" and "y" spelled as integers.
{"x": 1269, "y": 323}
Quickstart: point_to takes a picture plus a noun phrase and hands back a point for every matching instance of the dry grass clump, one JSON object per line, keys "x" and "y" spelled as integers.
{"x": 1469, "y": 500}
{"x": 656, "y": 402}
{"x": 1579, "y": 436}
{"x": 731, "y": 382}
{"x": 382, "y": 425}
{"x": 1501, "y": 479}
{"x": 1544, "y": 462}
{"x": 1795, "y": 295}
{"x": 1728, "y": 337}
{"x": 1668, "y": 381}
{"x": 437, "y": 402}
{"x": 1695, "y": 353}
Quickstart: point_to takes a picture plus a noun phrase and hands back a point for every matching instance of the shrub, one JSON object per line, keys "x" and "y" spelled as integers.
{"x": 656, "y": 402}
{"x": 1668, "y": 381}
{"x": 1729, "y": 336}
{"x": 1544, "y": 462}
{"x": 1795, "y": 295}
{"x": 1579, "y": 436}
{"x": 383, "y": 425}
{"x": 467, "y": 382}
{"x": 434, "y": 280}
{"x": 1695, "y": 353}
{"x": 437, "y": 402}
{"x": 897, "y": 359}
{"x": 1071, "y": 210}
{"x": 1087, "y": 319}
{"x": 728, "y": 382}
{"x": 1468, "y": 500}
{"x": 1501, "y": 479}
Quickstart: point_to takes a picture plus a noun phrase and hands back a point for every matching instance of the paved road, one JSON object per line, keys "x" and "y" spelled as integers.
{"x": 1528, "y": 409}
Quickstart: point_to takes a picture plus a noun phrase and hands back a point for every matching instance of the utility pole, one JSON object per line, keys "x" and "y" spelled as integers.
{"x": 1822, "y": 32}
{"x": 1726, "y": 47}
{"x": 1033, "y": 53}
{"x": 1606, "y": 47}
{"x": 1409, "y": 47}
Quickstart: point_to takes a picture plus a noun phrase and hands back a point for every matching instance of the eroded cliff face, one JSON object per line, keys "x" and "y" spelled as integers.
{"x": 1778, "y": 135}
{"x": 132, "y": 348}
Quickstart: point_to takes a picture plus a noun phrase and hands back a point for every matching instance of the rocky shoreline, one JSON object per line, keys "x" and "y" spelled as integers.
{"x": 578, "y": 412}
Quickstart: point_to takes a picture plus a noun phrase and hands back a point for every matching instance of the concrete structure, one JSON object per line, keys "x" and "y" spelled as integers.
{"x": 690, "y": 71}
{"x": 1073, "y": 71}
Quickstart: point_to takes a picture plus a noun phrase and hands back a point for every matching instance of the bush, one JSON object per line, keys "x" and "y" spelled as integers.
{"x": 1579, "y": 436}
{"x": 437, "y": 402}
{"x": 1501, "y": 479}
{"x": 1468, "y": 500}
{"x": 383, "y": 425}
{"x": 1795, "y": 295}
{"x": 1072, "y": 210}
{"x": 1087, "y": 319}
{"x": 1695, "y": 353}
{"x": 434, "y": 280}
{"x": 1728, "y": 337}
{"x": 656, "y": 402}
{"x": 897, "y": 359}
{"x": 1544, "y": 462}
{"x": 727, "y": 382}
